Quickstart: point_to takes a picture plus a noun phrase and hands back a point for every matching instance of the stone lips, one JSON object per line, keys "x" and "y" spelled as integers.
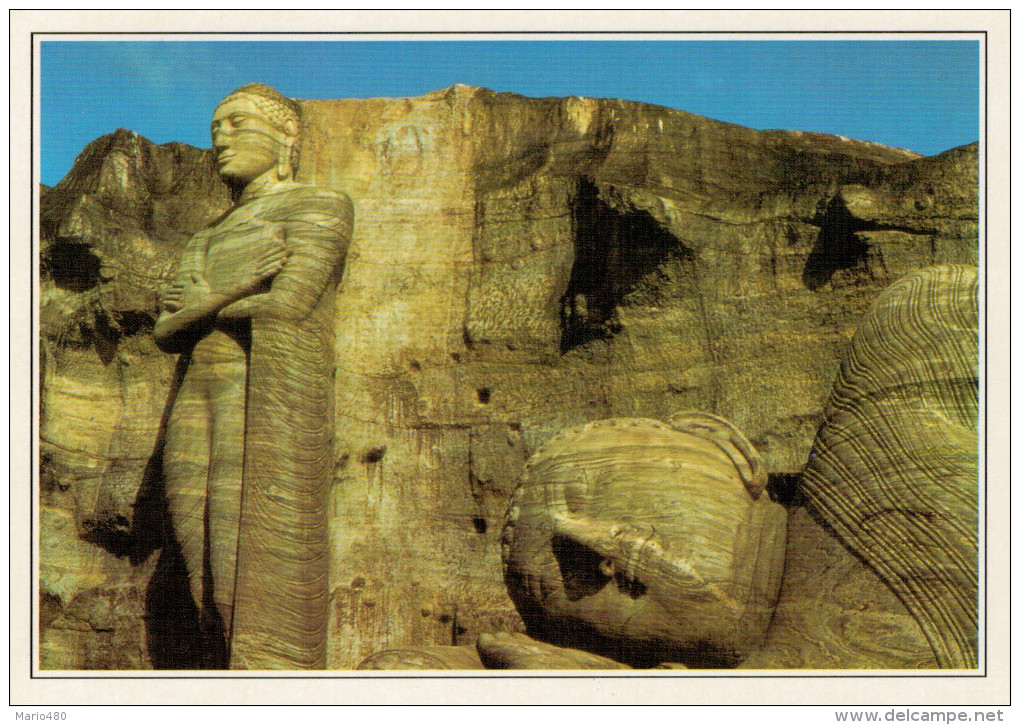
{"x": 699, "y": 577}
{"x": 562, "y": 260}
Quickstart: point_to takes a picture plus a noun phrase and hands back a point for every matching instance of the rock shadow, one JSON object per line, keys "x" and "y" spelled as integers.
{"x": 614, "y": 251}
{"x": 838, "y": 246}
{"x": 579, "y": 568}
{"x": 71, "y": 264}
{"x": 178, "y": 636}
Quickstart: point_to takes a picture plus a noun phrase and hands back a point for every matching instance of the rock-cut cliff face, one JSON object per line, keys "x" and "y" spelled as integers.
{"x": 518, "y": 266}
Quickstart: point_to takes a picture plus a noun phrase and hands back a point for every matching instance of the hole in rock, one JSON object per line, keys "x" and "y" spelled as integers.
{"x": 480, "y": 524}
{"x": 178, "y": 636}
{"x": 838, "y": 246}
{"x": 620, "y": 257}
{"x": 373, "y": 455}
{"x": 484, "y": 395}
{"x": 784, "y": 488}
{"x": 71, "y": 265}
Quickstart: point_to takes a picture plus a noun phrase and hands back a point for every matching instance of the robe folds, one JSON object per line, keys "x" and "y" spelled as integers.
{"x": 282, "y": 367}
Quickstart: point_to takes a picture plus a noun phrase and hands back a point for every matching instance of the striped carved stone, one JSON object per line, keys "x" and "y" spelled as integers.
{"x": 646, "y": 542}
{"x": 894, "y": 466}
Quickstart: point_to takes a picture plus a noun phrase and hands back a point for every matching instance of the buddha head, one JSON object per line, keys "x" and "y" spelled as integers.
{"x": 647, "y": 542}
{"x": 255, "y": 136}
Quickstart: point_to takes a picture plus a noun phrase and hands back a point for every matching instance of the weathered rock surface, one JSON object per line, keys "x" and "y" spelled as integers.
{"x": 111, "y": 233}
{"x": 518, "y": 266}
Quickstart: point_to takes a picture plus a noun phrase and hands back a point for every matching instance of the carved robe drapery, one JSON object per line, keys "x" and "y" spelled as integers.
{"x": 285, "y": 452}
{"x": 894, "y": 470}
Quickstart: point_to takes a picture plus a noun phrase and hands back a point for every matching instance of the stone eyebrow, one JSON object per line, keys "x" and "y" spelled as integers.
{"x": 238, "y": 114}
{"x": 232, "y": 116}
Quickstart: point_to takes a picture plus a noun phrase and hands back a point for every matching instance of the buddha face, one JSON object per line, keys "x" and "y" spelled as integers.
{"x": 246, "y": 144}
{"x": 639, "y": 541}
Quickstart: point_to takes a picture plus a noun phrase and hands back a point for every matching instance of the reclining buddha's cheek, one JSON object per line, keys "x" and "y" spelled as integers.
{"x": 633, "y": 535}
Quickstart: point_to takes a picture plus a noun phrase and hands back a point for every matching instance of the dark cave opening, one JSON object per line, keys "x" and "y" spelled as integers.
{"x": 72, "y": 266}
{"x": 838, "y": 246}
{"x": 613, "y": 252}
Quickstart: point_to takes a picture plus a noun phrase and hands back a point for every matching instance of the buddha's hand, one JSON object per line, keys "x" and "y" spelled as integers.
{"x": 271, "y": 263}
{"x": 170, "y": 298}
{"x": 515, "y": 651}
{"x": 193, "y": 293}
{"x": 267, "y": 266}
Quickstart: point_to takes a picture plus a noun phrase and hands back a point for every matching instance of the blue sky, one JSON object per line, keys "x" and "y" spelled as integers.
{"x": 919, "y": 95}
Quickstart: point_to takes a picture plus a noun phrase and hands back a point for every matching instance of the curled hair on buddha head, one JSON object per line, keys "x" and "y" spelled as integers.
{"x": 276, "y": 107}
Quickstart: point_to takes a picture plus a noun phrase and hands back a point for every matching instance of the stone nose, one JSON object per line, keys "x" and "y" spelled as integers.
{"x": 221, "y": 144}
{"x": 221, "y": 138}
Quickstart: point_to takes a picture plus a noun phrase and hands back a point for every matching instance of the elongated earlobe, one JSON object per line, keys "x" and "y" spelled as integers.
{"x": 284, "y": 160}
{"x": 283, "y": 166}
